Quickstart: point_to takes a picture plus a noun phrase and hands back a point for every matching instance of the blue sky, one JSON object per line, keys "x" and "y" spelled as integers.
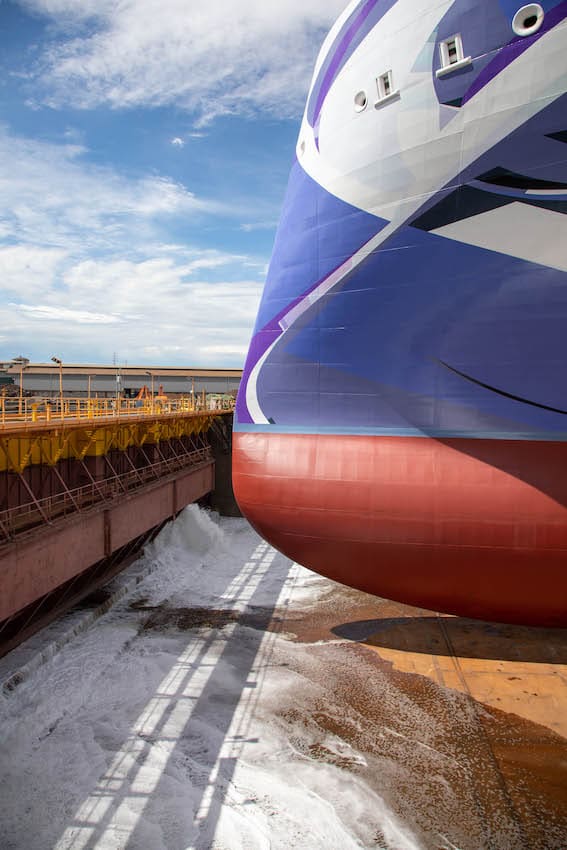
{"x": 144, "y": 152}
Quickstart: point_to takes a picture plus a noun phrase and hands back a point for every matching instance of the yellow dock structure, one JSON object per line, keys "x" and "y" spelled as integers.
{"x": 31, "y": 441}
{"x": 84, "y": 483}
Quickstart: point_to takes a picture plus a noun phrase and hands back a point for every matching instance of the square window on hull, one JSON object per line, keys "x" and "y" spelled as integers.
{"x": 451, "y": 51}
{"x": 452, "y": 55}
{"x": 385, "y": 85}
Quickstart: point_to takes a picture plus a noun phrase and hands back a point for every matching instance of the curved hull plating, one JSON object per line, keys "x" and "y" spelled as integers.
{"x": 402, "y": 421}
{"x": 472, "y": 527}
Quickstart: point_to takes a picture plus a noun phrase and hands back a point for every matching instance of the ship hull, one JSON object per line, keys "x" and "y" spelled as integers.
{"x": 401, "y": 425}
{"x": 471, "y": 527}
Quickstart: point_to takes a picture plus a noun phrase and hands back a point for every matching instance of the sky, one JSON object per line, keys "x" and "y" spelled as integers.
{"x": 145, "y": 147}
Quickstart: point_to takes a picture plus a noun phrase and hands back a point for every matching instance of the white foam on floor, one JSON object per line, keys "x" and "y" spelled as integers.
{"x": 169, "y": 739}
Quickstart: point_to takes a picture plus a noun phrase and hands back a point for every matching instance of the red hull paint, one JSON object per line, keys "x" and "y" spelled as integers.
{"x": 471, "y": 527}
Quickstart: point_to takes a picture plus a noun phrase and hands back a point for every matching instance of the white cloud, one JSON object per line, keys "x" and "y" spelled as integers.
{"x": 151, "y": 310}
{"x": 70, "y": 10}
{"x": 26, "y": 270}
{"x": 53, "y": 197}
{"x": 224, "y": 56}
{"x": 215, "y": 351}
{"x": 85, "y": 270}
{"x": 90, "y": 261}
{"x": 250, "y": 227}
{"x": 62, "y": 314}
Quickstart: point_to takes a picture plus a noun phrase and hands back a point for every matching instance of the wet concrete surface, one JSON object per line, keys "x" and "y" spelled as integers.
{"x": 458, "y": 725}
{"x": 207, "y": 618}
{"x": 239, "y": 701}
{"x": 461, "y": 725}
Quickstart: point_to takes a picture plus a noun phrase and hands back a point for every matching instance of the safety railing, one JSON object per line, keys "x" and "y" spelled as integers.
{"x": 23, "y": 518}
{"x": 29, "y": 410}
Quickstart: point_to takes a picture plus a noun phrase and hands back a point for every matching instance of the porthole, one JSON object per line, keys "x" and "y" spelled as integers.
{"x": 528, "y": 19}
{"x": 302, "y": 148}
{"x": 360, "y": 101}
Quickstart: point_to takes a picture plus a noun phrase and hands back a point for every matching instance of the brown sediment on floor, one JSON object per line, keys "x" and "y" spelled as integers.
{"x": 184, "y": 619}
{"x": 519, "y": 669}
{"x": 462, "y": 724}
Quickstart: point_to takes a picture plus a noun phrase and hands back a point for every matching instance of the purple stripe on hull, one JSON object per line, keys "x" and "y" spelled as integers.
{"x": 315, "y": 225}
{"x": 354, "y": 31}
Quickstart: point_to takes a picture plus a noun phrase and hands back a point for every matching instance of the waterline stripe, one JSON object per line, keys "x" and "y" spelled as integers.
{"x": 434, "y": 433}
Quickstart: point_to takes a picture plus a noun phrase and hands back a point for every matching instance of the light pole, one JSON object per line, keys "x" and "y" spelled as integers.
{"x": 151, "y": 376}
{"x": 60, "y": 364}
{"x": 22, "y": 363}
{"x": 118, "y": 386}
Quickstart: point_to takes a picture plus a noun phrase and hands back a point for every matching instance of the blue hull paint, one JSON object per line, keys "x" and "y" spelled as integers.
{"x": 372, "y": 355}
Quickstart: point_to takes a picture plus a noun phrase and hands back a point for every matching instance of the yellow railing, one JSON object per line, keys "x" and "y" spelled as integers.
{"x": 22, "y": 518}
{"x": 29, "y": 410}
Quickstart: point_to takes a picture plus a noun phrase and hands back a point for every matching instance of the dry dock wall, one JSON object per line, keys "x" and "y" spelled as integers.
{"x": 35, "y": 566}
{"x": 222, "y": 497}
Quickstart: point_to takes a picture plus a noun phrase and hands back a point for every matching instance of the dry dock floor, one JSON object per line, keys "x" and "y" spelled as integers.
{"x": 235, "y": 701}
{"x": 492, "y": 697}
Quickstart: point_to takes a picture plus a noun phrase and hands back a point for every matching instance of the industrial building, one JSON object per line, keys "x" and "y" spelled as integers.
{"x": 79, "y": 380}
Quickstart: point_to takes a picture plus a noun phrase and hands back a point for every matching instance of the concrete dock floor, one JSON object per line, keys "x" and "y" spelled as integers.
{"x": 235, "y": 701}
{"x": 492, "y": 697}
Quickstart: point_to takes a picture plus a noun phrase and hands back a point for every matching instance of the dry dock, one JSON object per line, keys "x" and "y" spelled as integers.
{"x": 85, "y": 483}
{"x": 235, "y": 701}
